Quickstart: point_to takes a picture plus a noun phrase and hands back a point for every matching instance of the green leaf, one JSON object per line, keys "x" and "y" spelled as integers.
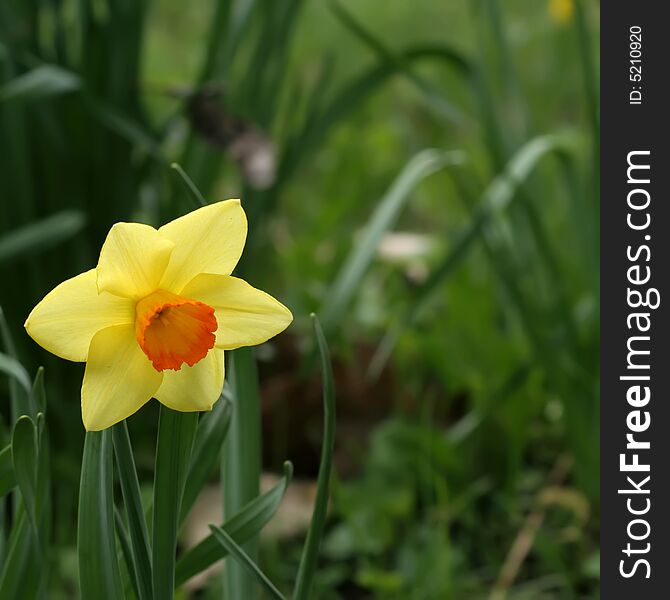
{"x": 7, "y": 479}
{"x": 351, "y": 96}
{"x": 14, "y": 369}
{"x": 198, "y": 198}
{"x": 41, "y": 235}
{"x": 496, "y": 199}
{"x": 99, "y": 575}
{"x": 176, "y": 431}
{"x": 310, "y": 551}
{"x": 126, "y": 551}
{"x": 244, "y": 560}
{"x": 349, "y": 278}
{"x": 24, "y": 460}
{"x": 38, "y": 397}
{"x": 130, "y": 488}
{"x": 433, "y": 99}
{"x": 209, "y": 439}
{"x": 20, "y": 578}
{"x": 20, "y": 400}
{"x": 244, "y": 525}
{"x": 42, "y": 82}
{"x": 242, "y": 458}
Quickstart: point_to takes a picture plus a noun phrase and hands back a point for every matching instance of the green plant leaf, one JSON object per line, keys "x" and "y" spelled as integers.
{"x": 20, "y": 578}
{"x": 20, "y": 400}
{"x": 99, "y": 575}
{"x": 127, "y": 553}
{"x": 38, "y": 397}
{"x": 176, "y": 431}
{"x": 496, "y": 199}
{"x": 244, "y": 560}
{"x": 41, "y": 235}
{"x": 198, "y": 198}
{"x": 7, "y": 478}
{"x": 14, "y": 369}
{"x": 244, "y": 525}
{"x": 137, "y": 525}
{"x": 433, "y": 99}
{"x": 24, "y": 460}
{"x": 42, "y": 82}
{"x": 209, "y": 439}
{"x": 242, "y": 457}
{"x": 310, "y": 551}
{"x": 384, "y": 217}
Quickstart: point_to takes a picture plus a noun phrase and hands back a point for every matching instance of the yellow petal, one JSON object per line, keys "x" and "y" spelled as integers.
{"x": 66, "y": 320}
{"x": 193, "y": 388}
{"x": 246, "y": 316}
{"x": 119, "y": 378}
{"x": 133, "y": 260}
{"x": 207, "y": 240}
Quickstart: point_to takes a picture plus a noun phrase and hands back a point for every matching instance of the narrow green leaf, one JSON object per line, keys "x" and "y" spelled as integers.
{"x": 126, "y": 551}
{"x": 384, "y": 217}
{"x": 42, "y": 82}
{"x": 14, "y": 369}
{"x": 99, "y": 575}
{"x": 176, "y": 431}
{"x": 188, "y": 182}
{"x": 358, "y": 90}
{"x": 7, "y": 478}
{"x": 433, "y": 99}
{"x": 242, "y": 458}
{"x": 209, "y": 439}
{"x": 310, "y": 551}
{"x": 19, "y": 578}
{"x": 24, "y": 460}
{"x": 38, "y": 397}
{"x": 244, "y": 525}
{"x": 41, "y": 235}
{"x": 20, "y": 401}
{"x": 244, "y": 560}
{"x": 130, "y": 488}
{"x": 496, "y": 199}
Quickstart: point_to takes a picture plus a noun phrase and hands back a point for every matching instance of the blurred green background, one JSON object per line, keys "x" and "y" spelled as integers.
{"x": 423, "y": 176}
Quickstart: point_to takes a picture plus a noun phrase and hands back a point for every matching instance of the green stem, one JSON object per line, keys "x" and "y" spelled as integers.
{"x": 176, "y": 432}
{"x": 242, "y": 461}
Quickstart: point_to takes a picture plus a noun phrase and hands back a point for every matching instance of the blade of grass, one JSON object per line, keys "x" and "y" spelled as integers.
{"x": 195, "y": 192}
{"x": 20, "y": 402}
{"x": 495, "y": 200}
{"x": 352, "y": 95}
{"x": 137, "y": 525}
{"x": 242, "y": 458}
{"x": 41, "y": 82}
{"x": 176, "y": 431}
{"x": 99, "y": 575}
{"x": 310, "y": 551}
{"x": 388, "y": 209}
{"x": 14, "y": 369}
{"x": 24, "y": 460}
{"x": 209, "y": 440}
{"x": 126, "y": 551}
{"x": 38, "y": 396}
{"x": 244, "y": 560}
{"x": 18, "y": 578}
{"x": 7, "y": 478}
{"x": 41, "y": 235}
{"x": 245, "y": 524}
{"x": 433, "y": 99}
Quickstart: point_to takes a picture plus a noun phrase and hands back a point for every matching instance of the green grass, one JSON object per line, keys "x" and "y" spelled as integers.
{"x": 488, "y": 335}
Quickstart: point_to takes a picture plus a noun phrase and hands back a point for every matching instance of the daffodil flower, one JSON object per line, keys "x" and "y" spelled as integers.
{"x": 154, "y": 317}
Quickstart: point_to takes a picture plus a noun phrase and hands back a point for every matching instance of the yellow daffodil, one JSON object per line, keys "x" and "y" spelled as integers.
{"x": 155, "y": 316}
{"x": 561, "y": 11}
